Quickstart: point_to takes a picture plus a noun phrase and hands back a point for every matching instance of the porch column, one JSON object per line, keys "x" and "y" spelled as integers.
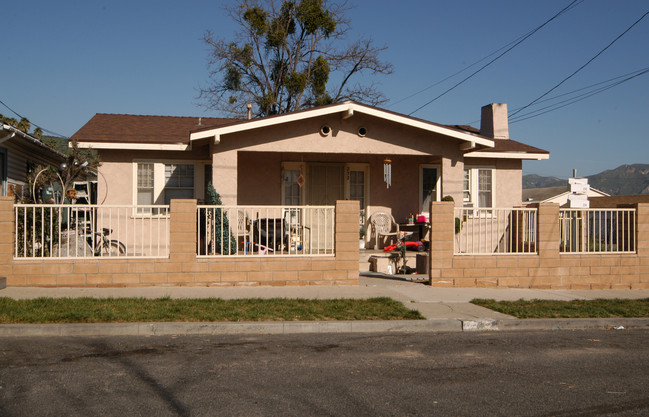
{"x": 224, "y": 176}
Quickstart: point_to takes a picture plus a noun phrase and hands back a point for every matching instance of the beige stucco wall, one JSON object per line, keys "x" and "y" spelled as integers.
{"x": 116, "y": 182}
{"x": 246, "y": 166}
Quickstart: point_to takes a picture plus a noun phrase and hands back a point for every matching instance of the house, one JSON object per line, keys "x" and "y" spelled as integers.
{"x": 19, "y": 154}
{"x": 557, "y": 194}
{"x": 347, "y": 151}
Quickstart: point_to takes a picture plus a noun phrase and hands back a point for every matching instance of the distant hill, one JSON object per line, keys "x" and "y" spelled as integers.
{"x": 623, "y": 180}
{"x": 537, "y": 181}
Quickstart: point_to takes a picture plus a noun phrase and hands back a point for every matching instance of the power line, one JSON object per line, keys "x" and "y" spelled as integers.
{"x": 580, "y": 68}
{"x": 573, "y": 100}
{"x": 501, "y": 55}
{"x": 32, "y": 123}
{"x": 630, "y": 76}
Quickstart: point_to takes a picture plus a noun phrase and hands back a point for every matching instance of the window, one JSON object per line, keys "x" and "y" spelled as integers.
{"x": 485, "y": 188}
{"x": 144, "y": 184}
{"x": 478, "y": 182}
{"x": 466, "y": 188}
{"x": 429, "y": 189}
{"x": 160, "y": 182}
{"x": 179, "y": 181}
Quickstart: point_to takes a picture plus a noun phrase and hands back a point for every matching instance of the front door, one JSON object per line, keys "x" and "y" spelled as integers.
{"x": 326, "y": 184}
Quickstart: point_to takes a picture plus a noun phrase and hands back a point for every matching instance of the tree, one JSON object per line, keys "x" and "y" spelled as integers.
{"x": 80, "y": 164}
{"x": 286, "y": 57}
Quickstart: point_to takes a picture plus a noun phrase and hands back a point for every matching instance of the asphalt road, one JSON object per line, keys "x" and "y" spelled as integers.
{"x": 551, "y": 373}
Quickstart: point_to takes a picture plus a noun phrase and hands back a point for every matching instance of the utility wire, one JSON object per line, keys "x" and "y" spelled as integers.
{"x": 580, "y": 68}
{"x": 499, "y": 56}
{"x": 631, "y": 75}
{"x": 32, "y": 123}
{"x": 573, "y": 100}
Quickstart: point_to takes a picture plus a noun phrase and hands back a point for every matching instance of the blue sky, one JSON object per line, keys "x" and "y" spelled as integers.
{"x": 64, "y": 61}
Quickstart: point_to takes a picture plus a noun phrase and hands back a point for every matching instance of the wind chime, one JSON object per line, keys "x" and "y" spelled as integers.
{"x": 387, "y": 172}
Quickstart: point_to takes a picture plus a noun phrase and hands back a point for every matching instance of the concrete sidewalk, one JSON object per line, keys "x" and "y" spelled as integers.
{"x": 446, "y": 309}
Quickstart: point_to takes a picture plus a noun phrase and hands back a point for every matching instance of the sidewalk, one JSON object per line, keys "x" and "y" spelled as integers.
{"x": 446, "y": 309}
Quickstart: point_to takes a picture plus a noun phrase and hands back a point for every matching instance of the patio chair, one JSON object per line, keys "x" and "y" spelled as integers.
{"x": 244, "y": 229}
{"x": 383, "y": 224}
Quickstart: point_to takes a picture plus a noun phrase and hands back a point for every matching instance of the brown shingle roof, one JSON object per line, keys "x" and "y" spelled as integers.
{"x": 502, "y": 145}
{"x": 127, "y": 128}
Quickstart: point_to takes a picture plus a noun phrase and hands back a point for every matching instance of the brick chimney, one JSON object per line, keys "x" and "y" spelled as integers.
{"x": 494, "y": 122}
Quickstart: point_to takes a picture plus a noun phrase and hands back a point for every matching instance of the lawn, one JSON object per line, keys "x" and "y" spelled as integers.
{"x": 599, "y": 308}
{"x": 121, "y": 310}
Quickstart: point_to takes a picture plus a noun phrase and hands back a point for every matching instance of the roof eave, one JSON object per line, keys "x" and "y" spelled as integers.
{"x": 508, "y": 155}
{"x": 346, "y": 109}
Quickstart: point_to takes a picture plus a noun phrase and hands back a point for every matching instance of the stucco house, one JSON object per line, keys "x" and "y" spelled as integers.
{"x": 19, "y": 154}
{"x": 347, "y": 151}
{"x": 557, "y": 194}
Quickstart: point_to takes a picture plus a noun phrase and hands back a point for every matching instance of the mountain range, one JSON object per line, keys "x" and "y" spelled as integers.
{"x": 623, "y": 180}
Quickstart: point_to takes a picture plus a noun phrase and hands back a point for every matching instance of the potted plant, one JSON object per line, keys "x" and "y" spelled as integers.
{"x": 361, "y": 237}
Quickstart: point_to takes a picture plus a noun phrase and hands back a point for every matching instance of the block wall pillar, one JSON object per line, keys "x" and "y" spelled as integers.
{"x": 549, "y": 234}
{"x": 347, "y": 236}
{"x": 442, "y": 236}
{"x": 182, "y": 231}
{"x": 7, "y": 228}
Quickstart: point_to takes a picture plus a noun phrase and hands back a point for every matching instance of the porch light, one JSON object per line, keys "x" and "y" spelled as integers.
{"x": 387, "y": 172}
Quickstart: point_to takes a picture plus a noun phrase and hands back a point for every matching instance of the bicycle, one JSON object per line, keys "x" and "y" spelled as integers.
{"x": 102, "y": 245}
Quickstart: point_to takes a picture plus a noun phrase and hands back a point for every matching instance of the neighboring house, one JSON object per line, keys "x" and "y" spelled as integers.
{"x": 557, "y": 195}
{"x": 310, "y": 157}
{"x": 19, "y": 154}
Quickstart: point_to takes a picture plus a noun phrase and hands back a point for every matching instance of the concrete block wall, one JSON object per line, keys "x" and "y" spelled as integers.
{"x": 183, "y": 267}
{"x": 547, "y": 269}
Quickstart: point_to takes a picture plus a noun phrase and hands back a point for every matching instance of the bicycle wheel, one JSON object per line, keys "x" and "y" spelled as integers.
{"x": 116, "y": 248}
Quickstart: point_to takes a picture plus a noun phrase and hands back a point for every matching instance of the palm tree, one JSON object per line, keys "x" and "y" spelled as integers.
{"x": 37, "y": 133}
{"x": 24, "y": 125}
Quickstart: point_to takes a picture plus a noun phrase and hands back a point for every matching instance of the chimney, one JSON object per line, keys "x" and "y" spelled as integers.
{"x": 494, "y": 122}
{"x": 249, "y": 106}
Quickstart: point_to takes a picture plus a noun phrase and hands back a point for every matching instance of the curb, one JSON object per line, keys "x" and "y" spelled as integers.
{"x": 303, "y": 327}
{"x": 554, "y": 324}
{"x": 202, "y": 328}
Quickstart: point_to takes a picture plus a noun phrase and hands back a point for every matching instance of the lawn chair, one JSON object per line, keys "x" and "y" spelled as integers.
{"x": 383, "y": 224}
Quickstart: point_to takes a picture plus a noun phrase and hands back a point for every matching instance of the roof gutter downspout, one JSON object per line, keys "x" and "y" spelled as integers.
{"x": 11, "y": 134}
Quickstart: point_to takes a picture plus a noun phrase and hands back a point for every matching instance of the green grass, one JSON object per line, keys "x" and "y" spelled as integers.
{"x": 121, "y": 310}
{"x": 599, "y": 308}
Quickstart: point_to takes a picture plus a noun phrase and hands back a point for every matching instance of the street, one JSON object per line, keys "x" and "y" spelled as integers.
{"x": 551, "y": 373}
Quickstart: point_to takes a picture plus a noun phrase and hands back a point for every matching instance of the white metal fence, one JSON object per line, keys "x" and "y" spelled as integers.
{"x": 597, "y": 230}
{"x": 495, "y": 231}
{"x": 54, "y": 231}
{"x": 265, "y": 230}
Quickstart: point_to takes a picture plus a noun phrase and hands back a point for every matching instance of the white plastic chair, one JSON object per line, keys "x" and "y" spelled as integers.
{"x": 383, "y": 224}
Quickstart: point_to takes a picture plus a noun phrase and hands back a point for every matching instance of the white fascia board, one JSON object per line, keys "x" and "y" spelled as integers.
{"x": 135, "y": 146}
{"x": 268, "y": 122}
{"x": 349, "y": 109}
{"x": 427, "y": 126}
{"x": 508, "y": 155}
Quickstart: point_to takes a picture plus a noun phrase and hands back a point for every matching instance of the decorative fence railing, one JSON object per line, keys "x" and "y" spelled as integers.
{"x": 54, "y": 231}
{"x": 495, "y": 231}
{"x": 265, "y": 231}
{"x": 597, "y": 231}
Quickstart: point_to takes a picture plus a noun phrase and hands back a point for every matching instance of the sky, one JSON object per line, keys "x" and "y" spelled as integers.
{"x": 63, "y": 61}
